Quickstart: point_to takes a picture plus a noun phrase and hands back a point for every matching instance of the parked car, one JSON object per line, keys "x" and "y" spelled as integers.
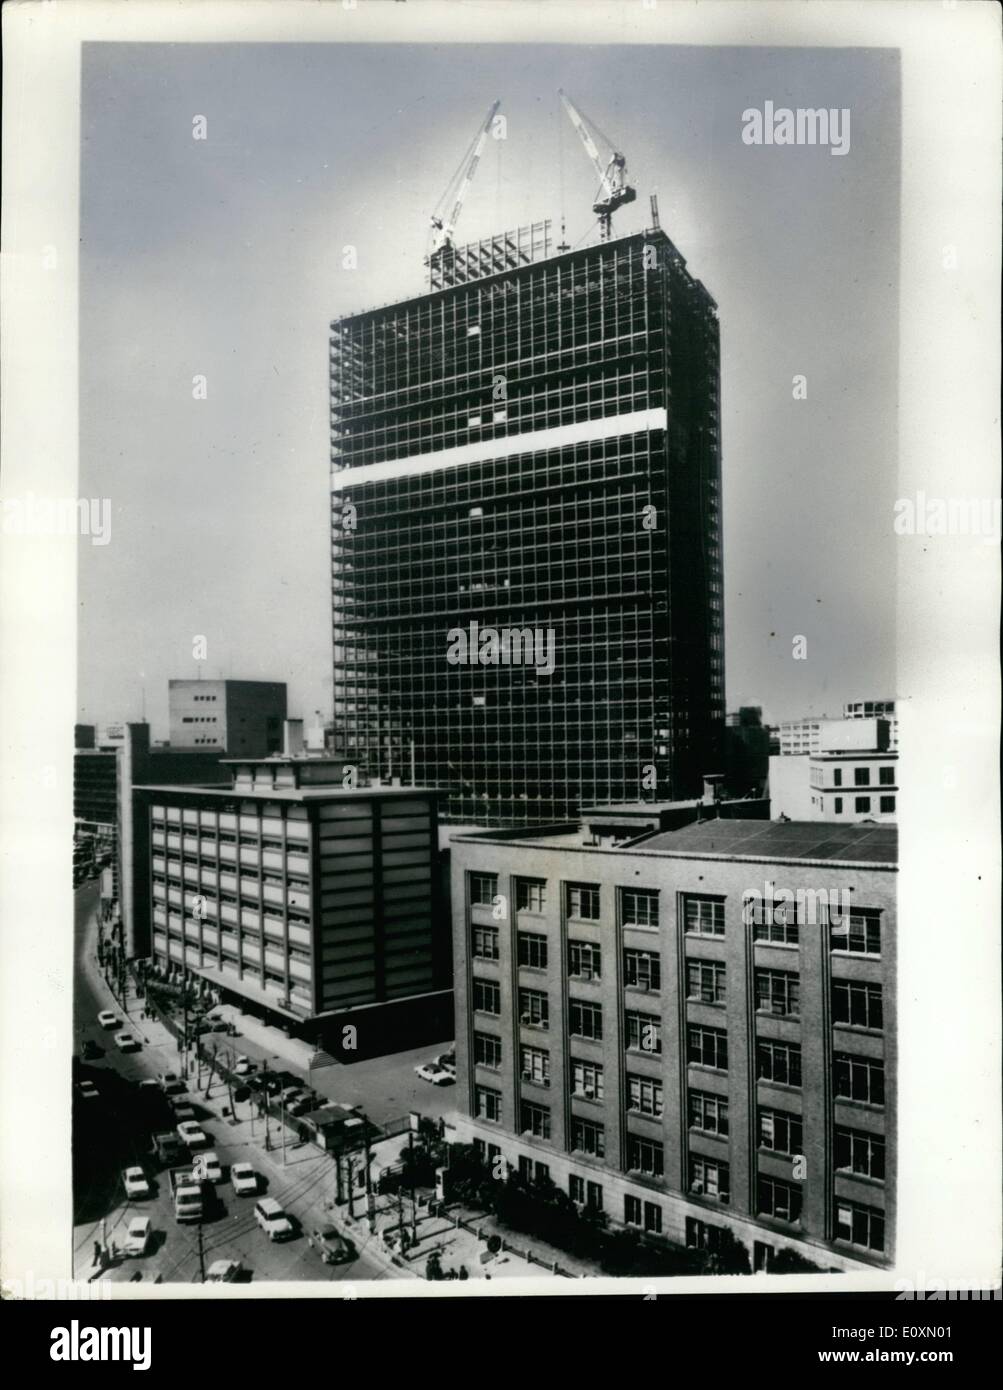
{"x": 272, "y": 1219}
{"x": 135, "y": 1182}
{"x": 244, "y": 1066}
{"x": 330, "y": 1245}
{"x": 92, "y": 1050}
{"x": 244, "y": 1179}
{"x": 304, "y": 1102}
{"x": 87, "y": 1090}
{"x": 127, "y": 1042}
{"x": 137, "y": 1237}
{"x": 431, "y": 1071}
{"x": 171, "y": 1083}
{"x": 224, "y": 1271}
{"x": 290, "y": 1094}
{"x": 208, "y": 1167}
{"x": 192, "y": 1134}
{"x": 108, "y": 1018}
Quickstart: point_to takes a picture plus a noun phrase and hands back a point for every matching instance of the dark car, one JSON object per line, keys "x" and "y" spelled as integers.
{"x": 91, "y": 1050}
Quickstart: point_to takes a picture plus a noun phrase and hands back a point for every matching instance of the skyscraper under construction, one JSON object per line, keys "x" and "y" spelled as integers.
{"x": 531, "y": 445}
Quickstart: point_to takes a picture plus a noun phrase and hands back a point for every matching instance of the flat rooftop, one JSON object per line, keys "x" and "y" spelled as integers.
{"x": 324, "y": 792}
{"x": 859, "y": 843}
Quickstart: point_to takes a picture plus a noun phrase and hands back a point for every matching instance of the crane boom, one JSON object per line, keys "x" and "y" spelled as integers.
{"x": 444, "y": 228}
{"x": 614, "y": 190}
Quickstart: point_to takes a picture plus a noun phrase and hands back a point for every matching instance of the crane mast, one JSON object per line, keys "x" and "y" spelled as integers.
{"x": 614, "y": 191}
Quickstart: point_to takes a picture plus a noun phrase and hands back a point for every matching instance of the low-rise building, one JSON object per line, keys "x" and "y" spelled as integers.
{"x": 693, "y": 1030}
{"x": 309, "y": 901}
{"x": 238, "y": 718}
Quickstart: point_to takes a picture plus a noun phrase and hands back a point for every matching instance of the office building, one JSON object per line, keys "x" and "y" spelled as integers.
{"x": 693, "y": 1030}
{"x": 876, "y": 709}
{"x": 241, "y": 719}
{"x": 312, "y": 904}
{"x": 526, "y": 529}
{"x": 852, "y": 775}
{"x": 746, "y": 751}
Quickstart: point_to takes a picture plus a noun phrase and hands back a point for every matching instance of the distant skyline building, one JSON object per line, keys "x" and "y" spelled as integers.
{"x": 527, "y": 475}
{"x": 852, "y": 775}
{"x": 238, "y": 718}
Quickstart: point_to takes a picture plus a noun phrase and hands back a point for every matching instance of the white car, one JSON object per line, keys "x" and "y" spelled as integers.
{"x": 223, "y": 1271}
{"x": 431, "y": 1071}
{"x": 207, "y": 1167}
{"x": 108, "y": 1018}
{"x": 272, "y": 1219}
{"x": 87, "y": 1090}
{"x": 244, "y": 1066}
{"x": 135, "y": 1183}
{"x": 190, "y": 1132}
{"x": 171, "y": 1084}
{"x": 127, "y": 1042}
{"x": 244, "y": 1179}
{"x": 137, "y": 1237}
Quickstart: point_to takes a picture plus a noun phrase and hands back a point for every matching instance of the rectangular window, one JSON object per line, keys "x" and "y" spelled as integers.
{"x": 859, "y": 1078}
{"x": 860, "y": 1225}
{"x": 862, "y": 803}
{"x": 778, "y": 992}
{"x": 887, "y": 803}
{"x": 861, "y": 776}
{"x": 779, "y": 1062}
{"x": 781, "y": 1132}
{"x": 781, "y": 1200}
{"x": 652, "y": 1218}
{"x": 707, "y": 1047}
{"x": 642, "y": 970}
{"x": 839, "y": 805}
{"x": 587, "y": 1080}
{"x": 644, "y": 1095}
{"x": 709, "y": 1178}
{"x": 886, "y": 776}
{"x": 483, "y": 889}
{"x": 534, "y": 1008}
{"x": 857, "y": 1002}
{"x": 780, "y": 927}
{"x": 858, "y": 932}
{"x": 488, "y": 1104}
{"x": 704, "y": 916}
{"x": 532, "y": 950}
{"x": 702, "y": 1236}
{"x": 705, "y": 980}
{"x": 584, "y": 961}
{"x": 861, "y": 1153}
{"x": 530, "y": 894}
{"x": 639, "y": 908}
{"x": 645, "y": 1156}
{"x": 535, "y": 1064}
{"x": 576, "y": 1189}
{"x": 582, "y": 901}
{"x": 632, "y": 1213}
{"x": 588, "y": 1137}
{"x": 585, "y": 1020}
{"x": 708, "y": 1112}
{"x": 535, "y": 1120}
{"x": 837, "y": 777}
{"x": 487, "y": 997}
{"x": 644, "y": 1033}
{"x": 487, "y": 1050}
{"x": 485, "y": 941}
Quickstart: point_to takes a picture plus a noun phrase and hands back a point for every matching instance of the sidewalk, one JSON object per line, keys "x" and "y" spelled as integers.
{"x": 293, "y": 1051}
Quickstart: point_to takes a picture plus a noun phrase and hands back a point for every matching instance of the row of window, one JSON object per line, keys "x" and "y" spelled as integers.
{"x": 855, "y": 1223}
{"x": 858, "y": 931}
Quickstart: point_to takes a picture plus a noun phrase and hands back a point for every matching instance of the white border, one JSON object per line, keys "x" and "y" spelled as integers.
{"x": 949, "y": 910}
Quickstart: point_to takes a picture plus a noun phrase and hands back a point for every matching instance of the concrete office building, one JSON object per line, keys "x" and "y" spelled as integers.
{"x": 315, "y": 905}
{"x": 852, "y": 776}
{"x": 236, "y": 718}
{"x": 876, "y": 709}
{"x": 531, "y": 447}
{"x": 627, "y": 1025}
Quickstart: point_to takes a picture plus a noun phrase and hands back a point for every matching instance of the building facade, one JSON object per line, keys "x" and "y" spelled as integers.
{"x": 634, "y": 1022}
{"x": 306, "y": 901}
{"x": 852, "y": 776}
{"x": 242, "y": 719}
{"x": 533, "y": 450}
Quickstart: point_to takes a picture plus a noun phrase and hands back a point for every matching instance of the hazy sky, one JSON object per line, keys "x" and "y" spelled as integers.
{"x": 223, "y": 257}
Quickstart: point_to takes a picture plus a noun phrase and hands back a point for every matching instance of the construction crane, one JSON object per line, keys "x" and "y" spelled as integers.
{"x": 441, "y": 237}
{"x": 614, "y": 190}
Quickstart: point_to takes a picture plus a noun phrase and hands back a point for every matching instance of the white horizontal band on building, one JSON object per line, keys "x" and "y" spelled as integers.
{"x": 583, "y": 431}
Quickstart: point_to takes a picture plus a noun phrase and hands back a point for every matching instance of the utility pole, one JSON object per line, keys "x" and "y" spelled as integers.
{"x": 264, "y": 1101}
{"x": 201, "y": 1255}
{"x": 282, "y": 1124}
{"x": 370, "y": 1213}
{"x": 414, "y": 1207}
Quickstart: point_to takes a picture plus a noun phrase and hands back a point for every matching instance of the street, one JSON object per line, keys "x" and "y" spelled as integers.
{"x": 104, "y": 1143}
